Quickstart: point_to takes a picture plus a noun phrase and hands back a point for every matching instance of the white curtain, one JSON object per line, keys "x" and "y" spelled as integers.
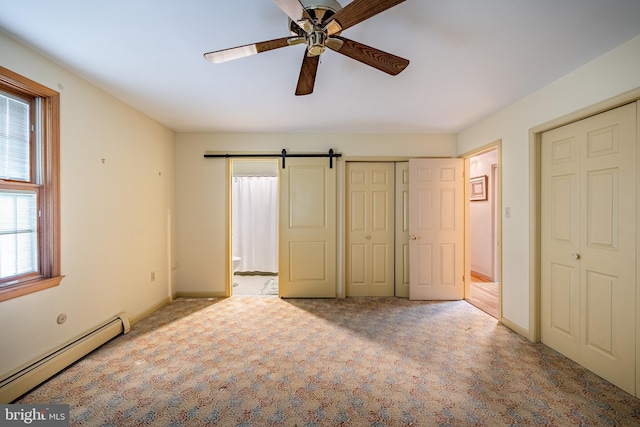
{"x": 255, "y": 222}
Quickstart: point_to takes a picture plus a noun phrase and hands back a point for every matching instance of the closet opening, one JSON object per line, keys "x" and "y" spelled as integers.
{"x": 254, "y": 227}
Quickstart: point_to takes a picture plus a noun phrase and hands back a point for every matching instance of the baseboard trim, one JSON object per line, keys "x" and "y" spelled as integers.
{"x": 481, "y": 276}
{"x": 39, "y": 370}
{"x": 517, "y": 329}
{"x": 138, "y": 317}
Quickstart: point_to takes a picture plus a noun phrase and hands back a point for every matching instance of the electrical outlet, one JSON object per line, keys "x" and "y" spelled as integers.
{"x": 62, "y": 317}
{"x": 153, "y": 276}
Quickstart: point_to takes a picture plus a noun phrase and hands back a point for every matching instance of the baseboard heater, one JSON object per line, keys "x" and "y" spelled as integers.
{"x": 38, "y": 371}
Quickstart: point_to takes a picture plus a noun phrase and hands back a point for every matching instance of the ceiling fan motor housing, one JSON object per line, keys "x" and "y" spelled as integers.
{"x": 319, "y": 10}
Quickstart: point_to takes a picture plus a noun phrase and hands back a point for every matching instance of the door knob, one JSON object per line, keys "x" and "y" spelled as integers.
{"x": 368, "y": 237}
{"x": 575, "y": 256}
{"x": 412, "y": 237}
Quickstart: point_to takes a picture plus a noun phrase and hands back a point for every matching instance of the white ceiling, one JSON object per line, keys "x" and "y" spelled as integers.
{"x": 469, "y": 58}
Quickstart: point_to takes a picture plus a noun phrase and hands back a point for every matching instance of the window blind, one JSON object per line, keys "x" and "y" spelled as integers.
{"x": 18, "y": 233}
{"x": 14, "y": 138}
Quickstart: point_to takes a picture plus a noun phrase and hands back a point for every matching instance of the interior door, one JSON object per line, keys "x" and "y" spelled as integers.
{"x": 436, "y": 222}
{"x": 402, "y": 229}
{"x": 588, "y": 243}
{"x": 370, "y": 228}
{"x": 307, "y": 244}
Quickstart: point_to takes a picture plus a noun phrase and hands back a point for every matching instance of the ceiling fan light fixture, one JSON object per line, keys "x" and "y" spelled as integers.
{"x": 296, "y": 40}
{"x": 333, "y": 27}
{"x": 306, "y": 25}
{"x": 316, "y": 43}
{"x": 333, "y": 43}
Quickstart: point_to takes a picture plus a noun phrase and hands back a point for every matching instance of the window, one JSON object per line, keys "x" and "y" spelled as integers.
{"x": 29, "y": 186}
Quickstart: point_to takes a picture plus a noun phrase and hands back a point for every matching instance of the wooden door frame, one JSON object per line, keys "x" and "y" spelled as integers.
{"x": 496, "y": 217}
{"x": 495, "y": 145}
{"x": 535, "y": 214}
{"x": 230, "y": 162}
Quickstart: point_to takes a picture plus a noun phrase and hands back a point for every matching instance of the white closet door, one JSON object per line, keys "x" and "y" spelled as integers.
{"x": 370, "y": 228}
{"x": 436, "y": 227}
{"x": 402, "y": 229}
{"x": 589, "y": 243}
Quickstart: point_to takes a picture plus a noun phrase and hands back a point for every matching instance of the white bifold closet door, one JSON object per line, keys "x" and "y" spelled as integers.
{"x": 370, "y": 207}
{"x": 588, "y": 223}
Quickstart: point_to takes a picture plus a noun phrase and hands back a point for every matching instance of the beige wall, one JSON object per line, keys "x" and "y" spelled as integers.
{"x": 202, "y": 187}
{"x": 115, "y": 215}
{"x": 612, "y": 74}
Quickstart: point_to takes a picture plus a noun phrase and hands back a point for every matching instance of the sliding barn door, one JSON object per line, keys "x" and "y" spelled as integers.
{"x": 307, "y": 247}
{"x": 436, "y": 229}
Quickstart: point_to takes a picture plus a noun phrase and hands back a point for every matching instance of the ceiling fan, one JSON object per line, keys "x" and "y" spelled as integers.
{"x": 318, "y": 24}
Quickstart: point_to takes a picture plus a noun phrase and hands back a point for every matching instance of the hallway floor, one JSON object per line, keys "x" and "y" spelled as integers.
{"x": 484, "y": 295}
{"x": 244, "y": 284}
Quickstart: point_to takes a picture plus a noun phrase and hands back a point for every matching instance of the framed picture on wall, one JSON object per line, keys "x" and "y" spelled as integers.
{"x": 478, "y": 188}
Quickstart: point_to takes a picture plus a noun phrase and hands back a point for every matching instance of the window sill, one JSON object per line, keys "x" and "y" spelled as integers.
{"x": 24, "y": 288}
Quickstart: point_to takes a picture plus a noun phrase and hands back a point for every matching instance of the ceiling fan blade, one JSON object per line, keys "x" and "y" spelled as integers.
{"x": 298, "y": 14}
{"x": 356, "y": 12}
{"x": 383, "y": 61}
{"x": 224, "y": 55}
{"x": 308, "y": 71}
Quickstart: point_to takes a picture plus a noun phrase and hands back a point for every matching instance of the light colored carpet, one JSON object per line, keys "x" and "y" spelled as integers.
{"x": 248, "y": 361}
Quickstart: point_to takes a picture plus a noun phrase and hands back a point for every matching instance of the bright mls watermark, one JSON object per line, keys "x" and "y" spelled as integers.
{"x": 34, "y": 415}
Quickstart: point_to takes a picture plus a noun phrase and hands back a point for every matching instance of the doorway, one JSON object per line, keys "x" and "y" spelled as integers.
{"x": 254, "y": 227}
{"x": 483, "y": 232}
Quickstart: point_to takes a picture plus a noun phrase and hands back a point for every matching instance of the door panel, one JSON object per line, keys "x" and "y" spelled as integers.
{"x": 560, "y": 271}
{"x": 588, "y": 243}
{"x": 402, "y": 229}
{"x": 380, "y": 273}
{"x": 600, "y": 289}
{"x": 608, "y": 247}
{"x": 436, "y": 222}
{"x": 370, "y": 234}
{"x": 562, "y": 299}
{"x": 307, "y": 229}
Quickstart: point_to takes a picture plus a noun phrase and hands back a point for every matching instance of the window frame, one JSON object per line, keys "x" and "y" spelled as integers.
{"x": 48, "y": 189}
